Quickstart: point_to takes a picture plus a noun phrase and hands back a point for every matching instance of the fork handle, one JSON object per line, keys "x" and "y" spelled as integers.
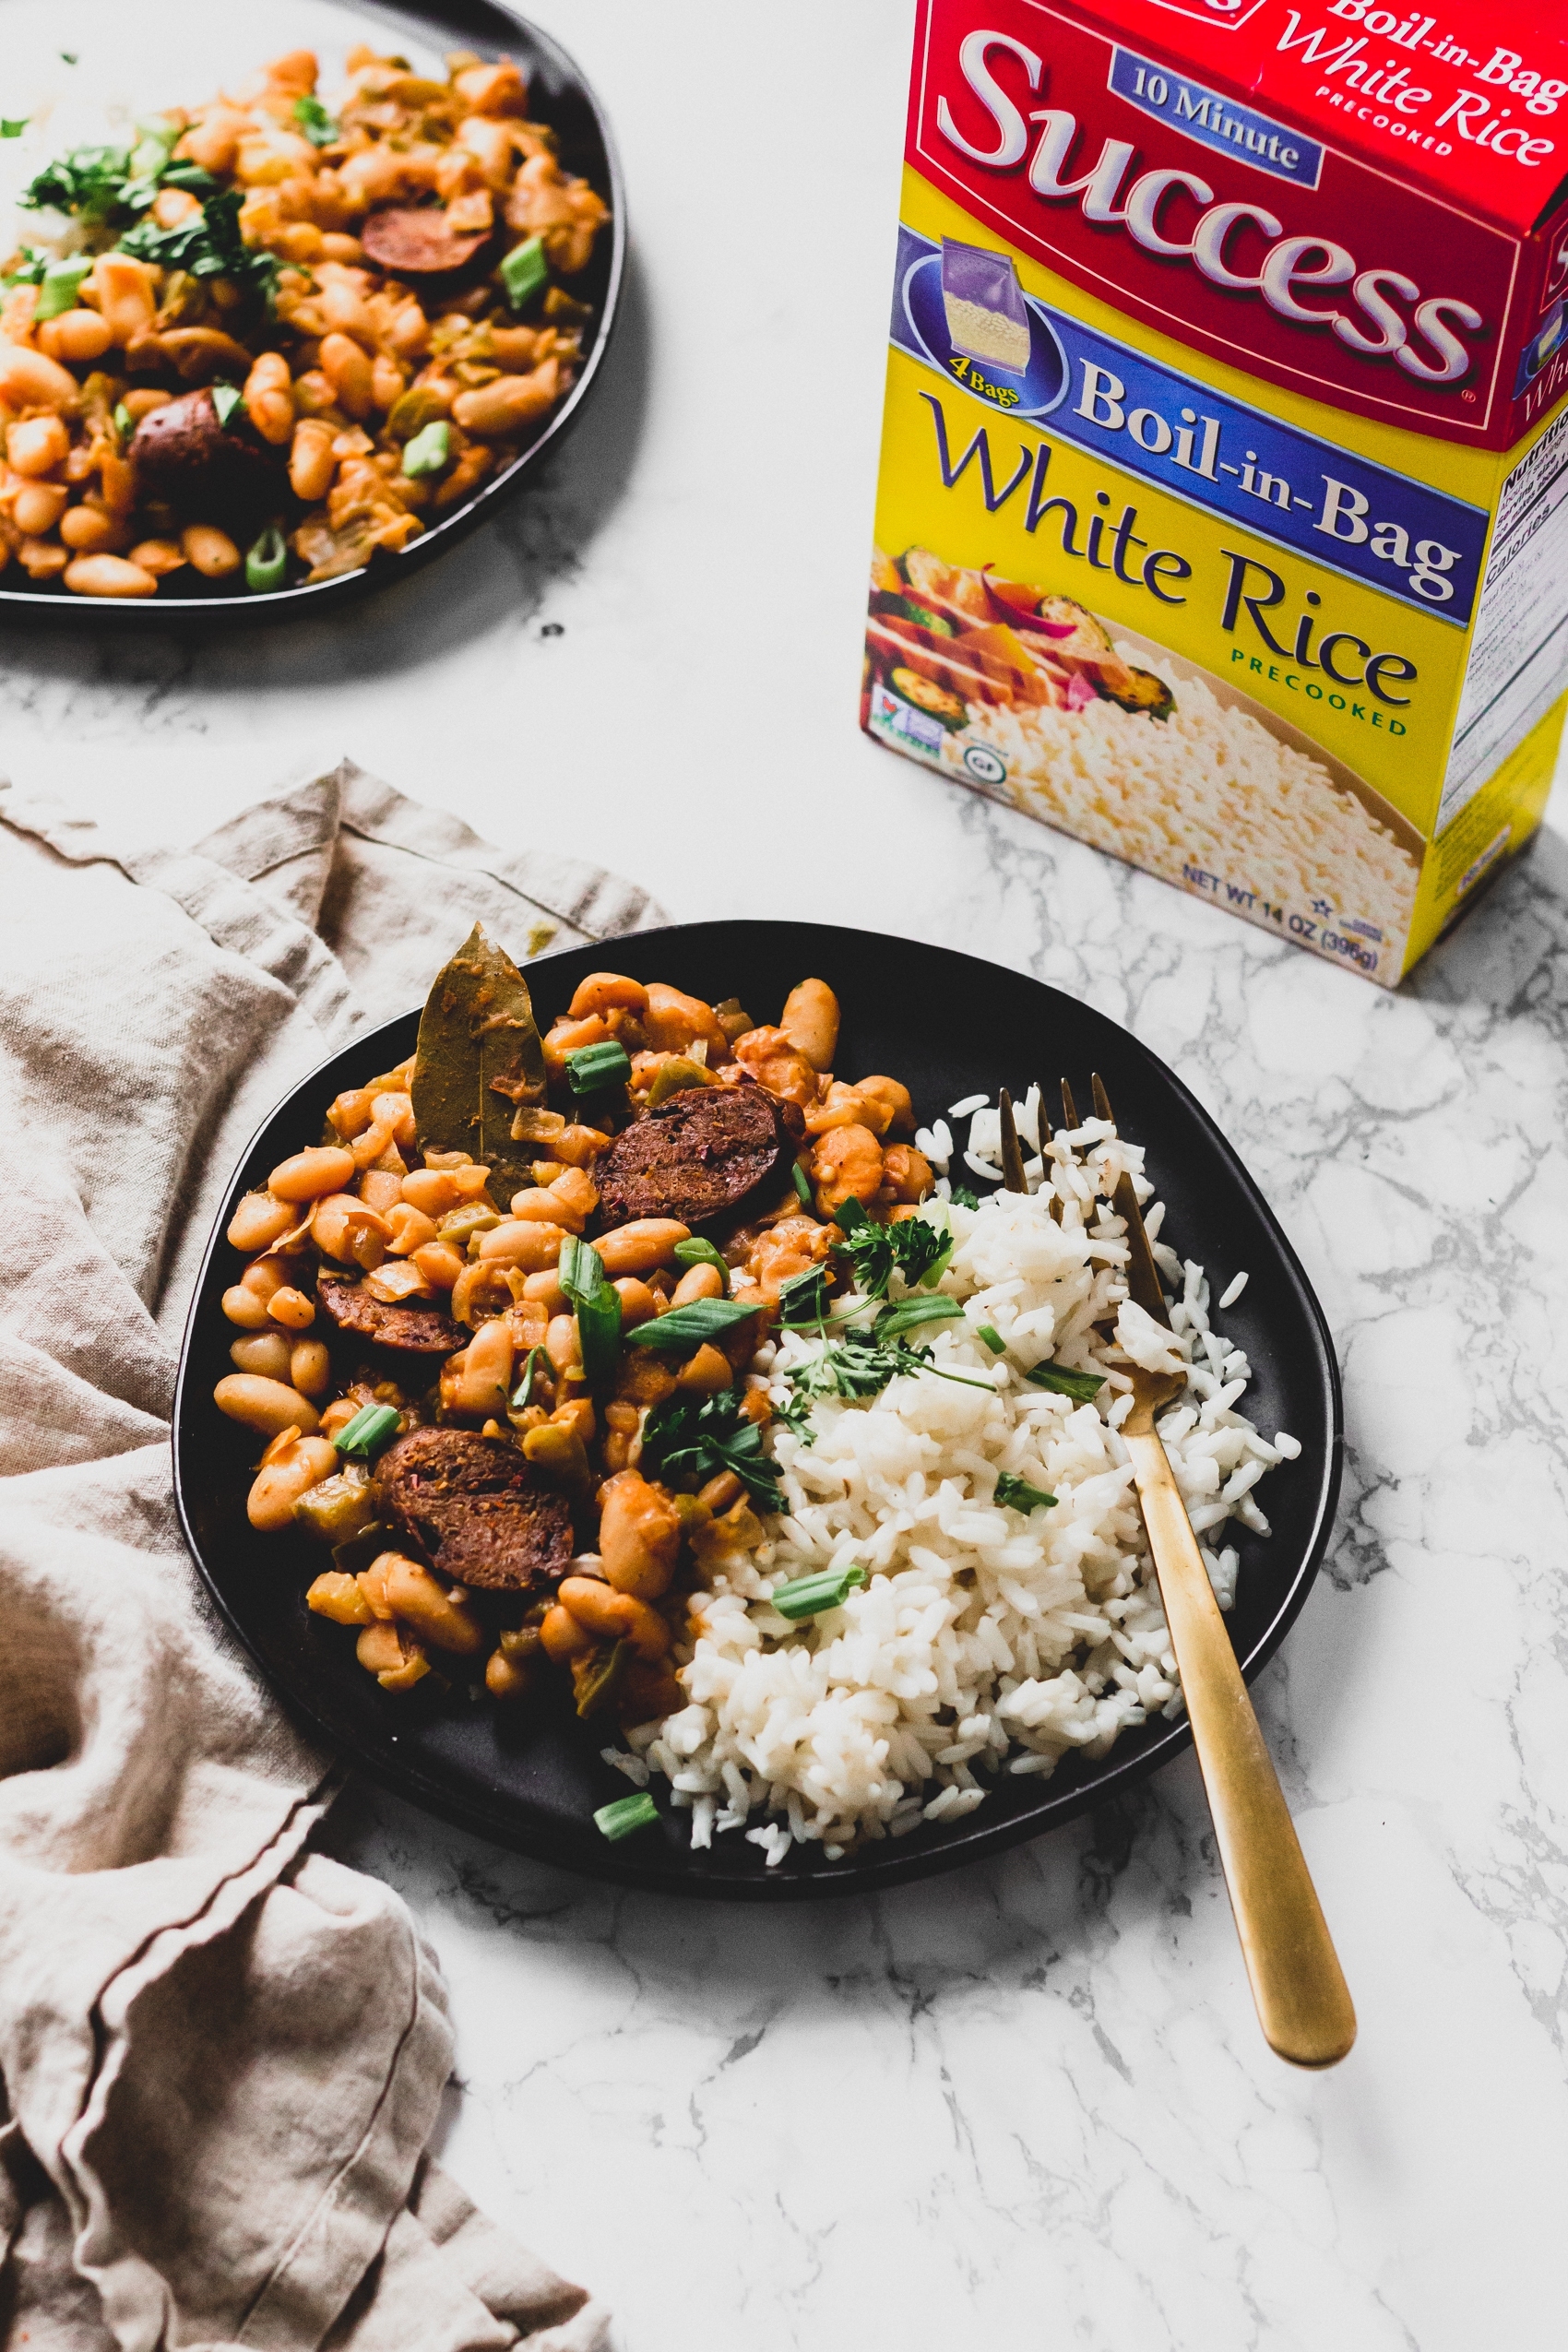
{"x": 1304, "y": 2002}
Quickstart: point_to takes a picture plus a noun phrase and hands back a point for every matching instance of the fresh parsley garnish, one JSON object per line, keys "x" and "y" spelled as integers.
{"x": 964, "y": 1198}
{"x": 30, "y": 268}
{"x": 315, "y": 121}
{"x": 797, "y": 1420}
{"x": 686, "y": 1438}
{"x": 861, "y": 1365}
{"x": 914, "y": 1247}
{"x": 208, "y": 246}
{"x": 90, "y": 183}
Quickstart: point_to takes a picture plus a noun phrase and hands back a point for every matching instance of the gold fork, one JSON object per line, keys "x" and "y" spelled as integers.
{"x": 1302, "y": 2001}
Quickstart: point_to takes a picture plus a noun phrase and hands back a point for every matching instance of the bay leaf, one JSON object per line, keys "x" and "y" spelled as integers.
{"x": 478, "y": 1060}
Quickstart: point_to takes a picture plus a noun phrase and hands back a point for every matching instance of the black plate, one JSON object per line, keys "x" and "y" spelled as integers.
{"x": 567, "y": 102}
{"x": 948, "y": 1026}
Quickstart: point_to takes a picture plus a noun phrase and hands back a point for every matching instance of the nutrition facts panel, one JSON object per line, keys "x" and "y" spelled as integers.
{"x": 1516, "y": 657}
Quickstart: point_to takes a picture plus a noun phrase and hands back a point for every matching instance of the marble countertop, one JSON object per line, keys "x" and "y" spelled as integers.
{"x": 1028, "y": 2099}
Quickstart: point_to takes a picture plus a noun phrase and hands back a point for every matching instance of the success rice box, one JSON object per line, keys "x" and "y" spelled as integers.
{"x": 1223, "y": 509}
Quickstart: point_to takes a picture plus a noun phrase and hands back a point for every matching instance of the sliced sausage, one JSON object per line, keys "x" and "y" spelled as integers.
{"x": 472, "y": 1505}
{"x": 698, "y": 1155}
{"x": 216, "y": 473}
{"x": 407, "y": 1330}
{"x": 415, "y": 241}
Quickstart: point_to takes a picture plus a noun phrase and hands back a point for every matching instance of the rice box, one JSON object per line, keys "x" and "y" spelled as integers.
{"x": 1223, "y": 509}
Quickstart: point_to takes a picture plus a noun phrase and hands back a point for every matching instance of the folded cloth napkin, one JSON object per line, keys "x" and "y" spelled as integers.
{"x": 221, "y": 2053}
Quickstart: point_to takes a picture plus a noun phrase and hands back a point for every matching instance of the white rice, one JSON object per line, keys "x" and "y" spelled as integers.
{"x": 1210, "y": 790}
{"x": 984, "y": 1640}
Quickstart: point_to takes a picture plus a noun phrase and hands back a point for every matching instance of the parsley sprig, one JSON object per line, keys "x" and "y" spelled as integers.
{"x": 209, "y": 245}
{"x": 684, "y": 1438}
{"x": 914, "y": 1247}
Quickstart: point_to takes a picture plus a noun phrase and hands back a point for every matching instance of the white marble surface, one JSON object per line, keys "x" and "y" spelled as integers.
{"x": 1028, "y": 2099}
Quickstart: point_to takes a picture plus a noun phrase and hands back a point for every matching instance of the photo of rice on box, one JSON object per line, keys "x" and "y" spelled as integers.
{"x": 984, "y": 305}
{"x": 1028, "y": 695}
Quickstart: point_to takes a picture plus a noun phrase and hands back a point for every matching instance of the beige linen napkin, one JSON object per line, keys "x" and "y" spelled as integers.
{"x": 220, "y": 2054}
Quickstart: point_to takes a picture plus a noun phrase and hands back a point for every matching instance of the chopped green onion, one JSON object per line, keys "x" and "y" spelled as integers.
{"x": 9, "y": 130}
{"x": 850, "y": 1215}
{"x": 626, "y": 1814}
{"x": 524, "y": 272}
{"x": 1085, "y": 1386}
{"x": 1017, "y": 1495}
{"x": 689, "y": 1326}
{"x": 371, "y": 1430}
{"x": 59, "y": 286}
{"x": 802, "y": 1301}
{"x": 808, "y": 1596}
{"x": 125, "y": 423}
{"x": 594, "y": 1067}
{"x": 598, "y": 1303}
{"x": 802, "y": 1182}
{"x": 909, "y": 1313}
{"x": 524, "y": 1390}
{"x": 992, "y": 1337}
{"x": 581, "y": 1270}
{"x": 226, "y": 399}
{"x": 701, "y": 1252}
{"x": 599, "y": 1333}
{"x": 598, "y": 1685}
{"x": 266, "y": 563}
{"x": 315, "y": 121}
{"x": 430, "y": 451}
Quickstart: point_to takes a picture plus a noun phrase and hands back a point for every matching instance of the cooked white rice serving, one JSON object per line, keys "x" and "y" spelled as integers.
{"x": 986, "y": 1639}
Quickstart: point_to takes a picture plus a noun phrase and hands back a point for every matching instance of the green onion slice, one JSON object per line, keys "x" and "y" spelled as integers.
{"x": 594, "y": 1067}
{"x": 802, "y": 1301}
{"x": 850, "y": 1215}
{"x": 226, "y": 399}
{"x": 266, "y": 563}
{"x": 1085, "y": 1386}
{"x": 689, "y": 1326}
{"x": 125, "y": 423}
{"x": 13, "y": 130}
{"x": 808, "y": 1596}
{"x": 59, "y": 286}
{"x": 428, "y": 452}
{"x": 802, "y": 1182}
{"x": 626, "y": 1815}
{"x": 1017, "y": 1495}
{"x": 523, "y": 1392}
{"x": 370, "y": 1432}
{"x": 698, "y": 1251}
{"x": 597, "y": 1303}
{"x": 992, "y": 1337}
{"x": 524, "y": 272}
{"x": 909, "y": 1313}
{"x": 581, "y": 1270}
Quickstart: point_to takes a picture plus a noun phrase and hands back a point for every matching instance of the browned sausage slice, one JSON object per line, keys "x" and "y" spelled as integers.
{"x": 698, "y": 1155}
{"x": 414, "y": 241}
{"x": 409, "y": 1330}
{"x": 219, "y": 473}
{"x": 472, "y": 1505}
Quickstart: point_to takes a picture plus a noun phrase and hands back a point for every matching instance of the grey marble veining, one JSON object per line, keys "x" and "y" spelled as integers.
{"x": 1032, "y": 2095}
{"x": 1028, "y": 2101}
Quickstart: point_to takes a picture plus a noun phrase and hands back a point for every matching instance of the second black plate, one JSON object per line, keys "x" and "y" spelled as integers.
{"x": 948, "y": 1026}
{"x": 491, "y": 28}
